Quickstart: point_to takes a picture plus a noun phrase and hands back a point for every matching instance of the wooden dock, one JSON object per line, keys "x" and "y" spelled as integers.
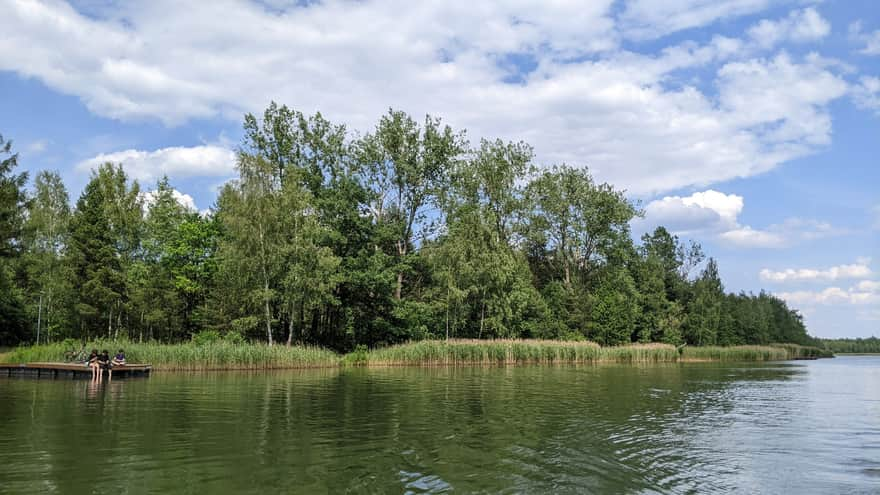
{"x": 69, "y": 370}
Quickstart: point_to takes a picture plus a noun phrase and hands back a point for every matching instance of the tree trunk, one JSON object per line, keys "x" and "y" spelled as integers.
{"x": 290, "y": 327}
{"x": 268, "y": 315}
{"x": 399, "y": 287}
{"x": 401, "y": 251}
{"x": 482, "y": 318}
{"x": 447, "y": 313}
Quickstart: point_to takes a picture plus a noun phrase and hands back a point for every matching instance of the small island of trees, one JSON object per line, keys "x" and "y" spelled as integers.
{"x": 338, "y": 240}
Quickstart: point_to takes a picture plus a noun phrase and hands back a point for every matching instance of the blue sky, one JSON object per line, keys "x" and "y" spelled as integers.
{"x": 748, "y": 125}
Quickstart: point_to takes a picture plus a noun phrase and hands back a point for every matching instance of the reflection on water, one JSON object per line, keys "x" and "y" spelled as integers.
{"x": 795, "y": 428}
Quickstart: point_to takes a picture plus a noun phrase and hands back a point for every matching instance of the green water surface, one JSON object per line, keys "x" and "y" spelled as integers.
{"x": 805, "y": 427}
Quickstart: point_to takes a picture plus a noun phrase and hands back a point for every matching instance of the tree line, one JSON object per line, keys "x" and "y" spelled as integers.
{"x": 870, "y": 345}
{"x": 336, "y": 239}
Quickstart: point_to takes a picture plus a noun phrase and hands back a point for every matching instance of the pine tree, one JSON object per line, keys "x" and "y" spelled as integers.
{"x": 94, "y": 258}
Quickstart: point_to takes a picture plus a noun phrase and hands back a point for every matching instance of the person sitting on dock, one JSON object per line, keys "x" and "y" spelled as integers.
{"x": 119, "y": 358}
{"x": 104, "y": 360}
{"x": 92, "y": 363}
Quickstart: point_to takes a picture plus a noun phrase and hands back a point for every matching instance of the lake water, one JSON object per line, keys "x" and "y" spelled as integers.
{"x": 804, "y": 427}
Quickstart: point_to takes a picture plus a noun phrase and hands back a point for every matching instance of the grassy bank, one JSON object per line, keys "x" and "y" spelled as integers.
{"x": 495, "y": 352}
{"x": 223, "y": 355}
{"x": 804, "y": 352}
{"x": 735, "y": 353}
{"x": 189, "y": 356}
{"x": 772, "y": 352}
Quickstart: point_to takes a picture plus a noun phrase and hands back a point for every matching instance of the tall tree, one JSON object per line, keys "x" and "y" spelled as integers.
{"x": 311, "y": 272}
{"x": 93, "y": 257}
{"x": 615, "y": 309}
{"x": 252, "y": 250}
{"x": 13, "y": 202}
{"x": 406, "y": 168}
{"x": 158, "y": 303}
{"x": 578, "y": 222}
{"x": 705, "y": 310}
{"x": 46, "y": 238}
{"x": 676, "y": 259}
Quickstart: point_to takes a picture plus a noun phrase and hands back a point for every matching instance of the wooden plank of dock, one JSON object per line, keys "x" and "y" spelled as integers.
{"x": 54, "y": 370}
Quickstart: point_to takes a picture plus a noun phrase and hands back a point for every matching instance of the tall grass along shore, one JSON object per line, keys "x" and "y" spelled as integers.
{"x": 221, "y": 355}
{"x": 492, "y": 352}
{"x": 191, "y": 356}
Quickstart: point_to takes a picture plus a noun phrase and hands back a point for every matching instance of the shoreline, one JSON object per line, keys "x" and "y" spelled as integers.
{"x": 226, "y": 356}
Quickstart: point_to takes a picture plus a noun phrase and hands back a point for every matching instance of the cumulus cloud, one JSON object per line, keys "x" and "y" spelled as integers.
{"x": 183, "y": 199}
{"x": 752, "y": 238}
{"x": 868, "y": 286}
{"x": 866, "y": 93}
{"x": 715, "y": 213}
{"x": 834, "y": 296}
{"x": 870, "y": 41}
{"x": 780, "y": 235}
{"x": 855, "y": 270}
{"x": 176, "y": 162}
{"x": 785, "y": 97}
{"x": 800, "y": 26}
{"x": 581, "y": 99}
{"x": 645, "y": 19}
{"x": 701, "y": 211}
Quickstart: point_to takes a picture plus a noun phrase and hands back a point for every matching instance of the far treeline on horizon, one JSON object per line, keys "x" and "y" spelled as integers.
{"x": 406, "y": 233}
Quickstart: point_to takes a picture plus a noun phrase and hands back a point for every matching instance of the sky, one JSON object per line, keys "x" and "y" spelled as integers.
{"x": 751, "y": 126}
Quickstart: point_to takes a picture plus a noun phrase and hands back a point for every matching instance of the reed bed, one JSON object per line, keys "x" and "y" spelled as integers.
{"x": 640, "y": 353}
{"x": 771, "y": 352}
{"x": 224, "y": 355}
{"x": 796, "y": 351}
{"x": 502, "y": 352}
{"x": 191, "y": 357}
{"x": 735, "y": 353}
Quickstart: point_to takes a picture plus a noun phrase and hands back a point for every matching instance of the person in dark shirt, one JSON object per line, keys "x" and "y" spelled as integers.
{"x": 104, "y": 361}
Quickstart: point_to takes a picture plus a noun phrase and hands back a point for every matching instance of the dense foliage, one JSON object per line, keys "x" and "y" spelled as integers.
{"x": 870, "y": 345}
{"x": 406, "y": 233}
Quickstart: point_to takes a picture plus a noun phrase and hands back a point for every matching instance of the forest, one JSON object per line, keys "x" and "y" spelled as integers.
{"x": 336, "y": 239}
{"x": 870, "y": 345}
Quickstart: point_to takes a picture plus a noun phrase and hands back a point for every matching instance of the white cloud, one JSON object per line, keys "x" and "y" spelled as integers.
{"x": 751, "y": 238}
{"x": 800, "y": 26}
{"x": 866, "y": 93}
{"x": 855, "y": 270}
{"x": 788, "y": 233}
{"x": 587, "y": 101}
{"x": 645, "y": 19}
{"x": 786, "y": 98}
{"x": 701, "y": 211}
{"x": 860, "y": 294}
{"x": 871, "y": 40}
{"x": 868, "y": 286}
{"x": 175, "y": 162}
{"x": 183, "y": 199}
{"x": 715, "y": 213}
